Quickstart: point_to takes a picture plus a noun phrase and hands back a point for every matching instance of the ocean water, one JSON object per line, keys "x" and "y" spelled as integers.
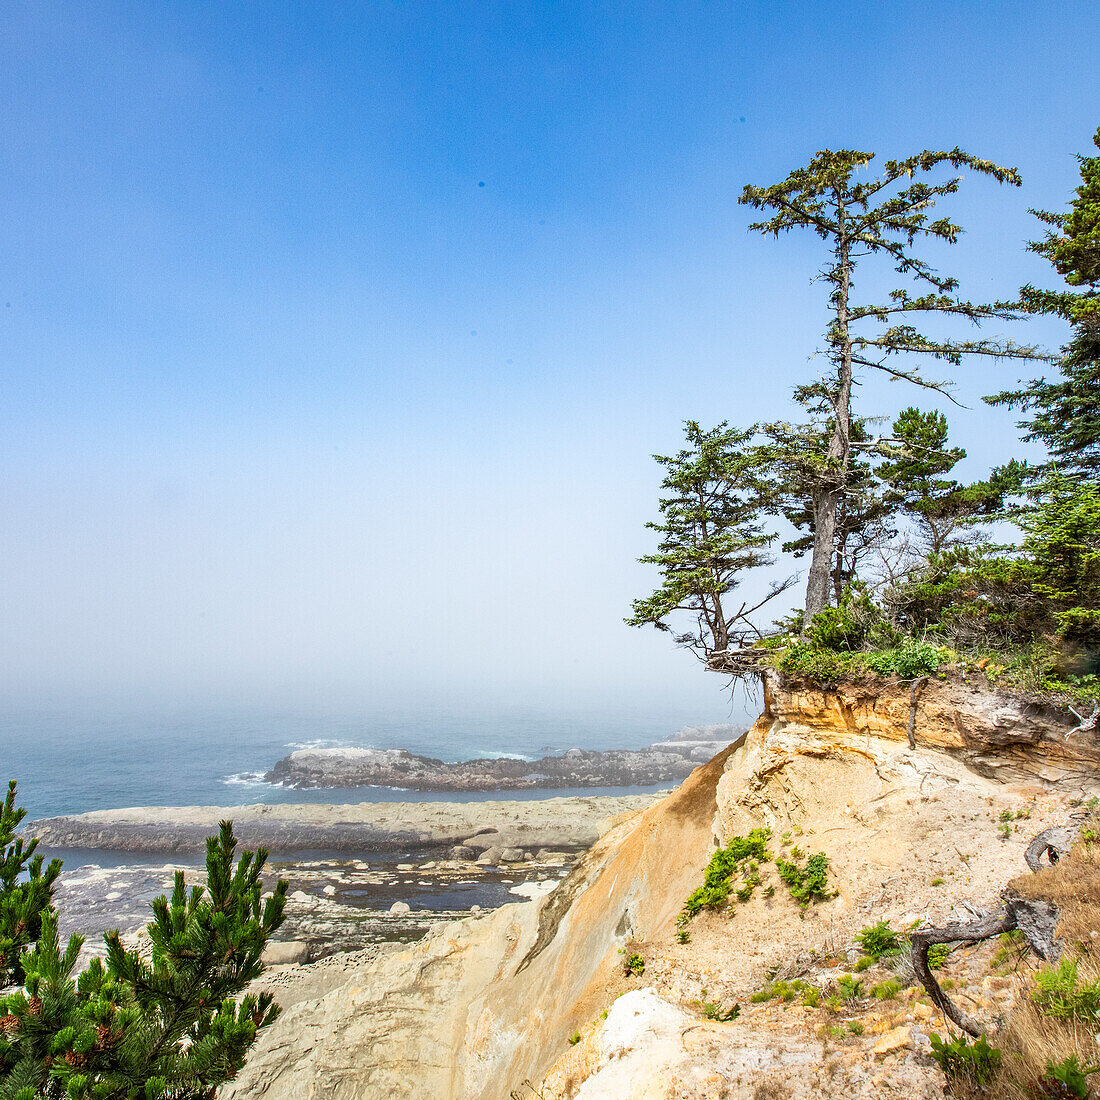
{"x": 76, "y": 758}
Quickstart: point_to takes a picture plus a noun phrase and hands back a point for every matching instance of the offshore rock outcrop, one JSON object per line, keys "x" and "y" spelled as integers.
{"x": 669, "y": 761}
{"x": 484, "y": 1009}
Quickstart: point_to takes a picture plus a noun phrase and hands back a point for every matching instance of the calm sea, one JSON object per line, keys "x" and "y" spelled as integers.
{"x": 74, "y": 760}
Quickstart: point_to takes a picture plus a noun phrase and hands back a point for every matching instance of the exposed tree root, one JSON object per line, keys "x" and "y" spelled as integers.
{"x": 1035, "y": 918}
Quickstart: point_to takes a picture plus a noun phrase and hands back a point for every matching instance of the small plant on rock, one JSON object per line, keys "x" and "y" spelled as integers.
{"x": 965, "y": 1062}
{"x": 879, "y": 940}
{"x": 1066, "y": 1079}
{"x": 849, "y": 987}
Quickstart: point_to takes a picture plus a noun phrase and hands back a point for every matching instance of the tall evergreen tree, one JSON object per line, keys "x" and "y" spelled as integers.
{"x": 798, "y": 456}
{"x": 1065, "y": 414}
{"x": 881, "y": 217}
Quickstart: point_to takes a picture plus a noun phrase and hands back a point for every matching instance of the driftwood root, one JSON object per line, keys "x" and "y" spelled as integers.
{"x": 1036, "y": 918}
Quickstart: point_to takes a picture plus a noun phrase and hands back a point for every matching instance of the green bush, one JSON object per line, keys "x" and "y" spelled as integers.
{"x": 163, "y": 1024}
{"x": 937, "y": 955}
{"x": 724, "y": 866}
{"x": 849, "y": 987}
{"x": 837, "y": 628}
{"x": 1060, "y": 994}
{"x": 1067, "y": 1078}
{"x": 809, "y": 884}
{"x": 878, "y": 940}
{"x": 966, "y": 1062}
{"x": 886, "y": 991}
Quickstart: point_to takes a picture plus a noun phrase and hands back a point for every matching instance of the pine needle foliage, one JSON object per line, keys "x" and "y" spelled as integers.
{"x": 861, "y": 217}
{"x": 26, "y": 890}
{"x": 169, "y": 1025}
{"x": 711, "y": 533}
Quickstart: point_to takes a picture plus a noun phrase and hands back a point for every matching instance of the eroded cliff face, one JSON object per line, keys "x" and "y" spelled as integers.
{"x": 474, "y": 1011}
{"x": 994, "y": 733}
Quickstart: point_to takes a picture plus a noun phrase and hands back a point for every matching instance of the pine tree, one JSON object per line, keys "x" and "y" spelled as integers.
{"x": 711, "y": 534}
{"x": 880, "y": 217}
{"x": 164, "y": 1027}
{"x": 23, "y": 904}
{"x": 940, "y": 506}
{"x": 1065, "y": 414}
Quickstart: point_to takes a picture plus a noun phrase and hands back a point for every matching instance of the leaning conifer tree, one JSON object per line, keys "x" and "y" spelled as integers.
{"x": 711, "y": 535}
{"x": 875, "y": 217}
{"x": 167, "y": 1026}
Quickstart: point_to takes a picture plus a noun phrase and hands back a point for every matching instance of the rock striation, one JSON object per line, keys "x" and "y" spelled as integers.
{"x": 667, "y": 761}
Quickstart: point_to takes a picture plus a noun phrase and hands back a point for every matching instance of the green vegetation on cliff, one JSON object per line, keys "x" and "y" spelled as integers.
{"x": 912, "y": 571}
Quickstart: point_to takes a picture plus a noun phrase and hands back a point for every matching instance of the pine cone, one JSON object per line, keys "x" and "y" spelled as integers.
{"x": 77, "y": 1061}
{"x": 34, "y": 1006}
{"x": 105, "y": 1037}
{"x": 8, "y": 1022}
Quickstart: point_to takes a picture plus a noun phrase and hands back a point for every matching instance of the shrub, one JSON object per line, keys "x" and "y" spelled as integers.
{"x": 809, "y": 884}
{"x": 633, "y": 964}
{"x": 575, "y": 1038}
{"x": 837, "y": 628}
{"x": 849, "y": 987}
{"x": 937, "y": 955}
{"x": 886, "y": 991}
{"x": 879, "y": 939}
{"x": 966, "y": 1062}
{"x": 1060, "y": 994}
{"x": 1067, "y": 1078}
{"x": 725, "y": 864}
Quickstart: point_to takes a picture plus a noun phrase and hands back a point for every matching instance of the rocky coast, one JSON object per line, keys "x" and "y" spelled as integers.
{"x": 360, "y": 875}
{"x": 363, "y": 828}
{"x": 663, "y": 762}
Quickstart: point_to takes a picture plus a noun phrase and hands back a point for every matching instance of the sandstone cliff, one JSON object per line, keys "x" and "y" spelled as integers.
{"x": 483, "y": 1006}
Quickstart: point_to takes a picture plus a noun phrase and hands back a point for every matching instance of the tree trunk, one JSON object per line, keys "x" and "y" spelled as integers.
{"x": 817, "y": 583}
{"x": 828, "y": 495}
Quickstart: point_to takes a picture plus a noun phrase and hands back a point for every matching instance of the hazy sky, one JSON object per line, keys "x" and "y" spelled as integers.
{"x": 337, "y": 337}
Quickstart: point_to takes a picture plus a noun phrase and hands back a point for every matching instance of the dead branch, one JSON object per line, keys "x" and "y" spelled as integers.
{"x": 1036, "y": 918}
{"x": 1085, "y": 725}
{"x": 922, "y": 940}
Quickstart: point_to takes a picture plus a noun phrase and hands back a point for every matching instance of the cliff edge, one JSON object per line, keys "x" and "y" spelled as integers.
{"x": 530, "y": 999}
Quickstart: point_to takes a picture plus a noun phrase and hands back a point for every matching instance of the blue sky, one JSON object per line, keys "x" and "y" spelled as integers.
{"x": 336, "y": 337}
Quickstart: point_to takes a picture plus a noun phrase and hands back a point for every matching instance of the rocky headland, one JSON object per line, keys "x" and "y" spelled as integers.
{"x": 663, "y": 762}
{"x": 534, "y": 999}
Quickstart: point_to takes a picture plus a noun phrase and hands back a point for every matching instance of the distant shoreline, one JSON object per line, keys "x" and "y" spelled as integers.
{"x": 568, "y": 823}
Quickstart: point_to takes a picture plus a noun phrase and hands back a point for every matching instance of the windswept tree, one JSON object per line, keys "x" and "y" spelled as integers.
{"x": 711, "y": 534}
{"x": 859, "y": 217}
